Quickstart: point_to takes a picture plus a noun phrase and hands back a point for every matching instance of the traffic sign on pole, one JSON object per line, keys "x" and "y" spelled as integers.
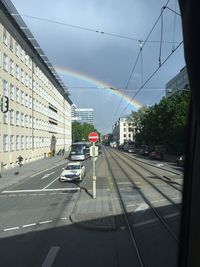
{"x": 93, "y": 137}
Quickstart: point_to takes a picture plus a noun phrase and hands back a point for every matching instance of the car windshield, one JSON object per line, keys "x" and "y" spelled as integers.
{"x": 73, "y": 167}
{"x": 76, "y": 76}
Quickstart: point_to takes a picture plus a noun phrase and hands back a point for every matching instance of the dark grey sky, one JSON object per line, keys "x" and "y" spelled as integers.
{"x": 104, "y": 57}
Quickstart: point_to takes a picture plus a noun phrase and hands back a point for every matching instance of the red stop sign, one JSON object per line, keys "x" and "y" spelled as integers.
{"x": 93, "y": 137}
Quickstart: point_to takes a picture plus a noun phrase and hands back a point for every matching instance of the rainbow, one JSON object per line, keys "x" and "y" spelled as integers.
{"x": 99, "y": 84}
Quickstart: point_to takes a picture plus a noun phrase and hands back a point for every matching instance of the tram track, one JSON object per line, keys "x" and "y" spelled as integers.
{"x": 139, "y": 222}
{"x": 147, "y": 201}
{"x": 147, "y": 180}
{"x": 164, "y": 178}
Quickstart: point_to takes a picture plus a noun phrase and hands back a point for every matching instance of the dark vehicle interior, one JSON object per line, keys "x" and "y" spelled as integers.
{"x": 190, "y": 233}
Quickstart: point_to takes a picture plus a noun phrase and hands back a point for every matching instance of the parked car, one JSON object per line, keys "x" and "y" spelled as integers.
{"x": 74, "y": 171}
{"x": 144, "y": 150}
{"x": 180, "y": 161}
{"x": 156, "y": 155}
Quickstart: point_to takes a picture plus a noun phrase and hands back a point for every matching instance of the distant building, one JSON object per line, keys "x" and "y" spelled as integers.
{"x": 179, "y": 83}
{"x": 83, "y": 115}
{"x": 123, "y": 131}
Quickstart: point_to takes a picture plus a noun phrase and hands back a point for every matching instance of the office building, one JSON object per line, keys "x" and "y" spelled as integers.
{"x": 83, "y": 115}
{"x": 39, "y": 103}
{"x": 178, "y": 83}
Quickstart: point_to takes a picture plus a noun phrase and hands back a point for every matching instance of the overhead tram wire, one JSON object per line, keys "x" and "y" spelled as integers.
{"x": 151, "y": 76}
{"x": 89, "y": 29}
{"x": 145, "y": 41}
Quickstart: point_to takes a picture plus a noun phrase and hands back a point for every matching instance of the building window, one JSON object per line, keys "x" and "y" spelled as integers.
{"x": 11, "y": 142}
{"x": 22, "y": 98}
{"x": 17, "y": 118}
{"x": 30, "y": 102}
{"x": 17, "y": 49}
{"x": 12, "y": 70}
{"x": 17, "y": 70}
{"x": 12, "y": 119}
{"x": 27, "y": 142}
{"x": 22, "y": 142}
{"x": 26, "y": 121}
{"x": 22, "y": 76}
{"x": 5, "y": 88}
{"x": 5, "y": 143}
{"x": 5, "y": 62}
{"x": 22, "y": 119}
{"x": 5, "y": 37}
{"x": 17, "y": 142}
{"x": 6, "y": 117}
{"x": 17, "y": 95}
{"x": 12, "y": 92}
{"x": 22, "y": 55}
{"x": 11, "y": 44}
{"x": 26, "y": 100}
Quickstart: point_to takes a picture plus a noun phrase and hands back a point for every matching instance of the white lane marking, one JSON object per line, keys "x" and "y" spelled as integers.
{"x": 39, "y": 190}
{"x": 143, "y": 206}
{"x": 145, "y": 222}
{"x": 3, "y": 196}
{"x": 28, "y": 225}
{"x": 47, "y": 175}
{"x": 10, "y": 229}
{"x": 40, "y": 172}
{"x": 46, "y": 222}
{"x": 51, "y": 257}
{"x": 50, "y": 183}
{"x": 33, "y": 224}
{"x": 172, "y": 215}
{"x": 33, "y": 175}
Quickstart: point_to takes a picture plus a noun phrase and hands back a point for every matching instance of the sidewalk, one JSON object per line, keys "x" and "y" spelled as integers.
{"x": 14, "y": 175}
{"x": 95, "y": 214}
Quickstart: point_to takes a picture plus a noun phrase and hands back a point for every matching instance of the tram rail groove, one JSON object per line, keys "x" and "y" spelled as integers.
{"x": 155, "y": 188}
{"x": 157, "y": 167}
{"x": 130, "y": 228}
{"x": 171, "y": 183}
{"x": 160, "y": 217}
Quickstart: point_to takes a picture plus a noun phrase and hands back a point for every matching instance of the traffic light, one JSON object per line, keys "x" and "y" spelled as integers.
{"x": 4, "y": 104}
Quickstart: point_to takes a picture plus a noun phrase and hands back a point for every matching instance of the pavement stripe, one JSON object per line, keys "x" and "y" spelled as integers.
{"x": 51, "y": 257}
{"x": 51, "y": 183}
{"x": 29, "y": 225}
{"x": 10, "y": 229}
{"x": 46, "y": 222}
{"x": 39, "y": 190}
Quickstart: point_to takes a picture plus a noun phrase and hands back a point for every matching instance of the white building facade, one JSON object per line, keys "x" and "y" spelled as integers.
{"x": 39, "y": 106}
{"x": 123, "y": 131}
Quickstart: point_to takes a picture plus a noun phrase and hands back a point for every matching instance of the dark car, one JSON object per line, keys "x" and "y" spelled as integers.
{"x": 156, "y": 155}
{"x": 144, "y": 150}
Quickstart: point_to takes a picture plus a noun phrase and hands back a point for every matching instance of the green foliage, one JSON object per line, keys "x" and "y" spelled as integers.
{"x": 80, "y": 131}
{"x": 164, "y": 123}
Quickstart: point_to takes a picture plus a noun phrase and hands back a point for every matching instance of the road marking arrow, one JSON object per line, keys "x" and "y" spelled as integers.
{"x": 47, "y": 175}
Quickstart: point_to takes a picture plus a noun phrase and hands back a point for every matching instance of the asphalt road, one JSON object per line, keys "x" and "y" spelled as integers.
{"x": 35, "y": 226}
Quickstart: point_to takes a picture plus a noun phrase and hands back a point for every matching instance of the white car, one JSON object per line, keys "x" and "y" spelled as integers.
{"x": 74, "y": 171}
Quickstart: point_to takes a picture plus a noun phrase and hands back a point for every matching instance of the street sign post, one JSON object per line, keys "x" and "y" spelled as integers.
{"x": 93, "y": 137}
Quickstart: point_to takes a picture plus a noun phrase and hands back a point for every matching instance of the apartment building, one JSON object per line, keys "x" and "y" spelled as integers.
{"x": 123, "y": 131}
{"x": 39, "y": 104}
